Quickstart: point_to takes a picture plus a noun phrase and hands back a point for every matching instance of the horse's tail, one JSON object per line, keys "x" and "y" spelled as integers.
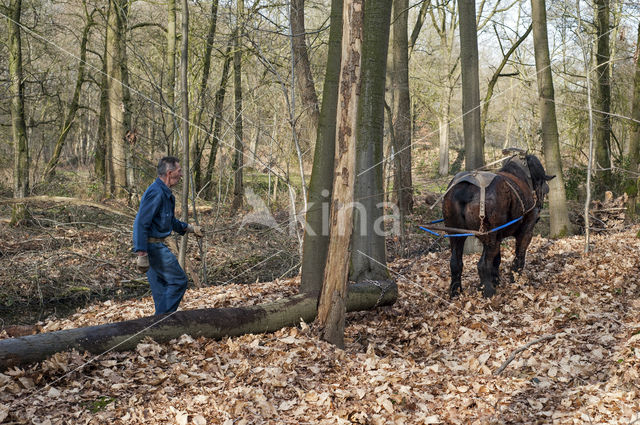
{"x": 461, "y": 197}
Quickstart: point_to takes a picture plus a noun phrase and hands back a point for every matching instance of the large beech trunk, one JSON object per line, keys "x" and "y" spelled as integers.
{"x": 211, "y": 323}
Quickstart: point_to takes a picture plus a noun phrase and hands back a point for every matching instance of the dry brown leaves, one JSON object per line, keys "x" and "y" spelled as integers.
{"x": 425, "y": 360}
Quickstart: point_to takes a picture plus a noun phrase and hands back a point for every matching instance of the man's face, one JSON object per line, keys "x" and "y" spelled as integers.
{"x": 174, "y": 176}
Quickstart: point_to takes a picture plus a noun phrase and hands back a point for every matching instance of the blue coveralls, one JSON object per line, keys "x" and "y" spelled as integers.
{"x": 155, "y": 219}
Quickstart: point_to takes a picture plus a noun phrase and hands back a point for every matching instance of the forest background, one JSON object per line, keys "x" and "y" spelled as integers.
{"x": 246, "y": 94}
{"x": 96, "y": 92}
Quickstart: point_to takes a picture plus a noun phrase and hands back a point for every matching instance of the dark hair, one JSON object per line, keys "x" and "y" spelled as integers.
{"x": 167, "y": 163}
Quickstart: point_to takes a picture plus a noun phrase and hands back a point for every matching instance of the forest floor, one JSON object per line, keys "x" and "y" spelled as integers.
{"x": 424, "y": 360}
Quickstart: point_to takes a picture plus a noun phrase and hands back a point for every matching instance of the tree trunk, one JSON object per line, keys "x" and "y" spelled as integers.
{"x": 238, "y": 157}
{"x": 49, "y": 170}
{"x": 634, "y": 141}
{"x": 316, "y": 238}
{"x": 603, "y": 99}
{"x": 402, "y": 107}
{"x": 332, "y": 306}
{"x": 368, "y": 256}
{"x": 209, "y": 323}
{"x": 170, "y": 80}
{"x": 18, "y": 124}
{"x": 474, "y": 150}
{"x": 560, "y": 225}
{"x": 198, "y": 146}
{"x": 118, "y": 94}
{"x": 217, "y": 116}
{"x": 184, "y": 86}
{"x": 303, "y": 74}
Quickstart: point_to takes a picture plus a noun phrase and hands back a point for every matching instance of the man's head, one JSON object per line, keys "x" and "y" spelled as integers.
{"x": 169, "y": 170}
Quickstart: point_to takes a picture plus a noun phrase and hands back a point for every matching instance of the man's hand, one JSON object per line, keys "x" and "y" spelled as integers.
{"x": 142, "y": 263}
{"x": 196, "y": 230}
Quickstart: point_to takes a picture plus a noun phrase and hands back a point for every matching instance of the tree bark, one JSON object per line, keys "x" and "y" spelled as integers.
{"x": 368, "y": 256}
{"x": 332, "y": 307}
{"x": 316, "y": 238}
{"x": 560, "y": 225}
{"x": 18, "y": 123}
{"x": 602, "y": 121}
{"x": 238, "y": 157}
{"x": 214, "y": 323}
{"x": 474, "y": 150}
{"x": 402, "y": 108}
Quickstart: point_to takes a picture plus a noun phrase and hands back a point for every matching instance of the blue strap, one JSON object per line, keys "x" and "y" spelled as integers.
{"x": 455, "y": 235}
{"x": 446, "y": 236}
{"x": 505, "y": 225}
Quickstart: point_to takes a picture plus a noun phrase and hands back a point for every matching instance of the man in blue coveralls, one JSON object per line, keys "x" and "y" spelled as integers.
{"x": 154, "y": 222}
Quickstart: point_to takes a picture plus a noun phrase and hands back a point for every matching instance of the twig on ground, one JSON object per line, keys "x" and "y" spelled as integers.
{"x": 520, "y": 350}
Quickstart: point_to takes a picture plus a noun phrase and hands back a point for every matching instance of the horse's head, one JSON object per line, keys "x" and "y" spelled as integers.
{"x": 539, "y": 178}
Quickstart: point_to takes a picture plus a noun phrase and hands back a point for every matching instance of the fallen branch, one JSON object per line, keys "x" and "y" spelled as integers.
{"x": 520, "y": 350}
{"x": 64, "y": 200}
{"x": 210, "y": 323}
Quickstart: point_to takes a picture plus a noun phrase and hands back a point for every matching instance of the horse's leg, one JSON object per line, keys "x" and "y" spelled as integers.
{"x": 523, "y": 239}
{"x": 457, "y": 248}
{"x": 496, "y": 267}
{"x": 486, "y": 267}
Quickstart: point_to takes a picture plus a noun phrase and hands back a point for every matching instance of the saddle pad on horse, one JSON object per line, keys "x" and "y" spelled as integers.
{"x": 482, "y": 179}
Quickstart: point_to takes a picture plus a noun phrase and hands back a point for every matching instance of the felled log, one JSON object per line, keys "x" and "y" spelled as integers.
{"x": 211, "y": 323}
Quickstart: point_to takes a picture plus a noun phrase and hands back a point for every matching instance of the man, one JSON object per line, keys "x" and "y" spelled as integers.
{"x": 154, "y": 222}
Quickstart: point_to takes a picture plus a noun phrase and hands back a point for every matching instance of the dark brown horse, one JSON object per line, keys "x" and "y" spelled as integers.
{"x": 514, "y": 194}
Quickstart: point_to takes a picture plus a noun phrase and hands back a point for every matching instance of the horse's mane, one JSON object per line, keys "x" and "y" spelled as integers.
{"x": 516, "y": 167}
{"x": 533, "y": 172}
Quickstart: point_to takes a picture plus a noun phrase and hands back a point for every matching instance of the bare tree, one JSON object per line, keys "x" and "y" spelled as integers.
{"x": 169, "y": 91}
{"x": 198, "y": 146}
{"x": 302, "y": 66}
{"x": 18, "y": 124}
{"x": 217, "y": 116}
{"x": 634, "y": 142}
{"x": 474, "y": 150}
{"x": 560, "y": 224}
{"x": 119, "y": 98}
{"x": 238, "y": 157}
{"x": 368, "y": 256}
{"x": 316, "y": 237}
{"x": 332, "y": 306}
{"x": 602, "y": 118}
{"x": 75, "y": 98}
{"x": 184, "y": 95}
{"x": 402, "y": 106}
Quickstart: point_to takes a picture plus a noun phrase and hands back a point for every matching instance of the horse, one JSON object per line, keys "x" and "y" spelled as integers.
{"x": 493, "y": 207}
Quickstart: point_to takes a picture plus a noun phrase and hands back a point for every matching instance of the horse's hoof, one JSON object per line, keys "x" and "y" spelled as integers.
{"x": 489, "y": 291}
{"x": 454, "y": 292}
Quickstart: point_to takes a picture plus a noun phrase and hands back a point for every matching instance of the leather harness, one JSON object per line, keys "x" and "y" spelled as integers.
{"x": 482, "y": 179}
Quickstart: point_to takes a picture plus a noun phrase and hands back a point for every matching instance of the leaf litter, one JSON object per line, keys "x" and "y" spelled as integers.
{"x": 424, "y": 360}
